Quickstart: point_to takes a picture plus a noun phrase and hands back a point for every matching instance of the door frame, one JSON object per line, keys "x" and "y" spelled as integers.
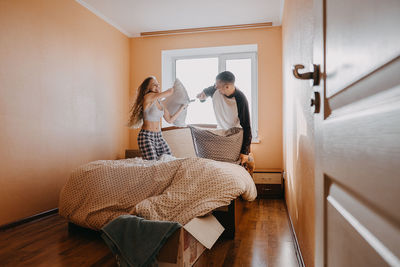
{"x": 319, "y": 12}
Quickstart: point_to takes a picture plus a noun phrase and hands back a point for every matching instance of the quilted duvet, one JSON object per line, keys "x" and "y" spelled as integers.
{"x": 167, "y": 190}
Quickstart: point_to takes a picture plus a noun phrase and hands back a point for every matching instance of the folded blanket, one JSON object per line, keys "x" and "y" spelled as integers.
{"x": 136, "y": 241}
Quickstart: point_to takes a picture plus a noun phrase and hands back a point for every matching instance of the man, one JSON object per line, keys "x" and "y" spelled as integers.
{"x": 231, "y": 108}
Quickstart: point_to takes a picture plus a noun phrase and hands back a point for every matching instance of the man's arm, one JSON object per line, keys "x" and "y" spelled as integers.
{"x": 209, "y": 91}
{"x": 244, "y": 117}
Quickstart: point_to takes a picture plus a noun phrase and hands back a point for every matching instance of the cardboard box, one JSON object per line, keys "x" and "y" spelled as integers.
{"x": 186, "y": 245}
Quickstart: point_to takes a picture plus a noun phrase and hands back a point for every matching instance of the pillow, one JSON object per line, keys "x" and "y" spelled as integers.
{"x": 175, "y": 101}
{"x": 221, "y": 145}
{"x": 180, "y": 141}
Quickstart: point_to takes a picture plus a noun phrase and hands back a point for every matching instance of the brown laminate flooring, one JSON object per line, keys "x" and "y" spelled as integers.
{"x": 262, "y": 239}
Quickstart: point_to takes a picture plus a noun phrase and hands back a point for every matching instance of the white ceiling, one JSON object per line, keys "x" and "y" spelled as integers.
{"x": 135, "y": 16}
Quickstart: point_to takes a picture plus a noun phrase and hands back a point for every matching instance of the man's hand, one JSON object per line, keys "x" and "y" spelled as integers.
{"x": 243, "y": 159}
{"x": 202, "y": 96}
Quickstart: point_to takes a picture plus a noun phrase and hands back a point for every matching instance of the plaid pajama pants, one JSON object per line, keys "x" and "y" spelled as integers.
{"x": 152, "y": 145}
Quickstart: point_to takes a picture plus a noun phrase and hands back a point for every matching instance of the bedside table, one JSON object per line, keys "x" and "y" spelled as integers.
{"x": 132, "y": 153}
{"x": 268, "y": 183}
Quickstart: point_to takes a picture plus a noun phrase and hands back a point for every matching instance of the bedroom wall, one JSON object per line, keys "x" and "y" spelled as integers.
{"x": 297, "y": 37}
{"x": 64, "y": 89}
{"x": 146, "y": 60}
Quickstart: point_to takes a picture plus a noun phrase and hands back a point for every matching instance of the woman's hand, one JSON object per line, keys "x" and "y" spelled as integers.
{"x": 171, "y": 118}
{"x": 184, "y": 106}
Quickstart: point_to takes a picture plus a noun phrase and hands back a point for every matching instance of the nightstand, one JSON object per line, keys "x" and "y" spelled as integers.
{"x": 132, "y": 153}
{"x": 268, "y": 183}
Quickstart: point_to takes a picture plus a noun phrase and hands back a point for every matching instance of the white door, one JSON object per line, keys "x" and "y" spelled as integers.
{"x": 357, "y": 44}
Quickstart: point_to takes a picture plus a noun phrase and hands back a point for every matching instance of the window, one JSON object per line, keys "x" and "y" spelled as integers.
{"x": 197, "y": 74}
{"x": 197, "y": 69}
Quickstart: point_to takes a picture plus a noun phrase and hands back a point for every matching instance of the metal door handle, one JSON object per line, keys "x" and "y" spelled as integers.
{"x": 314, "y": 75}
{"x": 315, "y": 102}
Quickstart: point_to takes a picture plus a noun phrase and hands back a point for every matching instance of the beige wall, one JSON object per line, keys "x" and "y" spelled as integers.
{"x": 64, "y": 88}
{"x": 298, "y": 123}
{"x": 146, "y": 60}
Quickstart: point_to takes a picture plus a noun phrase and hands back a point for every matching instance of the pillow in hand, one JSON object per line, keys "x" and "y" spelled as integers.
{"x": 175, "y": 101}
{"x": 218, "y": 144}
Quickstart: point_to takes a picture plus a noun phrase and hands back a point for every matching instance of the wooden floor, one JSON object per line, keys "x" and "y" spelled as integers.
{"x": 263, "y": 239}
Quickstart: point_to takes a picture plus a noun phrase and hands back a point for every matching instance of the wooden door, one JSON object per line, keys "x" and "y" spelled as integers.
{"x": 357, "y": 178}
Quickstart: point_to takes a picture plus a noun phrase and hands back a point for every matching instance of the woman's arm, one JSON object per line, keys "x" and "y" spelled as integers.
{"x": 165, "y": 94}
{"x": 170, "y": 119}
{"x": 151, "y": 97}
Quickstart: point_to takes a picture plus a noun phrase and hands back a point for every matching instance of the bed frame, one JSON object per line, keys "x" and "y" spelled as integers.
{"x": 229, "y": 217}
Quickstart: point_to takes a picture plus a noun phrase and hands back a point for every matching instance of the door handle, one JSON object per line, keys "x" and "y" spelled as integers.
{"x": 315, "y": 102}
{"x": 314, "y": 75}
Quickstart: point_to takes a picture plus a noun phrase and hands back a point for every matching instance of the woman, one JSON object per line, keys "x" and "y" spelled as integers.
{"x": 147, "y": 112}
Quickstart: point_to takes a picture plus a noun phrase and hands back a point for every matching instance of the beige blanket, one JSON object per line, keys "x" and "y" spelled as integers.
{"x": 171, "y": 189}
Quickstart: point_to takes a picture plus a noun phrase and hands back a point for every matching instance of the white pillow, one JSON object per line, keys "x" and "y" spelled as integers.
{"x": 180, "y": 141}
{"x": 175, "y": 101}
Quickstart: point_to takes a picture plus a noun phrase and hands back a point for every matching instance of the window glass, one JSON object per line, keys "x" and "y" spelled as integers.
{"x": 241, "y": 68}
{"x": 197, "y": 74}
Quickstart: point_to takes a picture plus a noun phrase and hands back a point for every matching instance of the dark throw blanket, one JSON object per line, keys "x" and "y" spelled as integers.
{"x": 136, "y": 241}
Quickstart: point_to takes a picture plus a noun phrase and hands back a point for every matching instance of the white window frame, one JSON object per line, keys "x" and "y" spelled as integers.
{"x": 168, "y": 74}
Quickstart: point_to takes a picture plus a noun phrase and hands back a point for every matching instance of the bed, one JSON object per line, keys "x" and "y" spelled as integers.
{"x": 171, "y": 189}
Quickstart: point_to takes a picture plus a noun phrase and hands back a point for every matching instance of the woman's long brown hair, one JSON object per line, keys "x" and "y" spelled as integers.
{"x": 136, "y": 119}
